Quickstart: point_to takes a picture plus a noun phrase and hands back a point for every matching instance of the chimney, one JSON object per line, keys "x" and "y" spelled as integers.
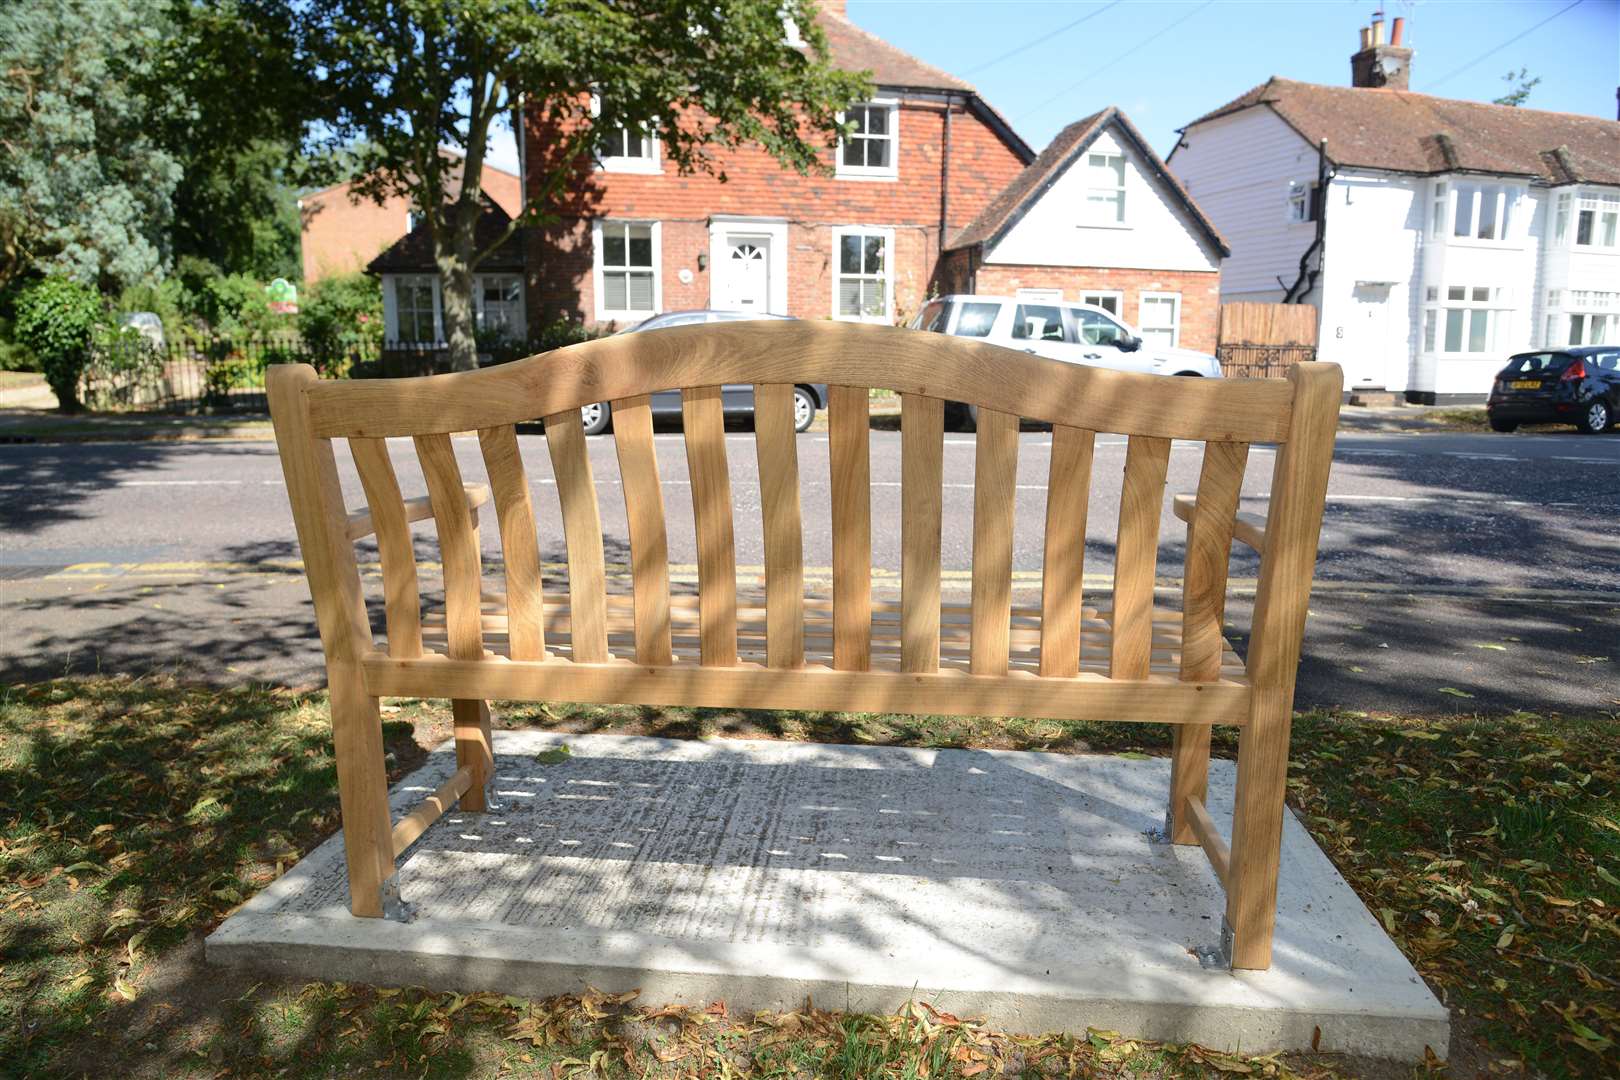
{"x": 1381, "y": 64}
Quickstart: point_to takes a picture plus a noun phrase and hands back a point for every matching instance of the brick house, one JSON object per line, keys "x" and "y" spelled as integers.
{"x": 340, "y": 235}
{"x": 633, "y": 237}
{"x": 1098, "y": 218}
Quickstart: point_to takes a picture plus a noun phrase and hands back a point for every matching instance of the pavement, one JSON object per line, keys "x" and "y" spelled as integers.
{"x": 1025, "y": 888}
{"x": 1452, "y": 563}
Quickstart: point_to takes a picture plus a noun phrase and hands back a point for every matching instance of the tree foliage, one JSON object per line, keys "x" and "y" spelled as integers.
{"x": 1520, "y": 85}
{"x": 85, "y": 185}
{"x": 402, "y": 80}
{"x": 57, "y": 318}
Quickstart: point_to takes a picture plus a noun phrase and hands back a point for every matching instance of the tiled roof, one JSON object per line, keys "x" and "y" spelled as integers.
{"x": 852, "y": 49}
{"x": 1029, "y": 185}
{"x": 1416, "y": 133}
{"x": 413, "y": 252}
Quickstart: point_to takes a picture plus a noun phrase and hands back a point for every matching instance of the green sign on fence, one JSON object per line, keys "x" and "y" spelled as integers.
{"x": 283, "y": 296}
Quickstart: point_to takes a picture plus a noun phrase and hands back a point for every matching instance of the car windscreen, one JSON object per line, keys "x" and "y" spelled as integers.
{"x": 1541, "y": 363}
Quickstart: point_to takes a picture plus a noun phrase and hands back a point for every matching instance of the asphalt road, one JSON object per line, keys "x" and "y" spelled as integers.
{"x": 1488, "y": 564}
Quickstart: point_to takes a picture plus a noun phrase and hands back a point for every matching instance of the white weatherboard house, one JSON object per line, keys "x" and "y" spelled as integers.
{"x": 1435, "y": 236}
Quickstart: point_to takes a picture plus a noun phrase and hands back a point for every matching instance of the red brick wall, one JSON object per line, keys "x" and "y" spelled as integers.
{"x": 981, "y": 164}
{"x": 1200, "y": 290}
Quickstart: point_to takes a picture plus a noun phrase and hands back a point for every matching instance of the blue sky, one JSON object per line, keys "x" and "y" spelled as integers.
{"x": 1165, "y": 62}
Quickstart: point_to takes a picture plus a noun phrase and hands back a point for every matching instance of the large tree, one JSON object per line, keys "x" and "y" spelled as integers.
{"x": 85, "y": 185}
{"x": 404, "y": 80}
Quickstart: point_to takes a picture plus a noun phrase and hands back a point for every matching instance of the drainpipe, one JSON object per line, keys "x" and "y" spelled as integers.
{"x": 1306, "y": 281}
{"x": 945, "y": 174}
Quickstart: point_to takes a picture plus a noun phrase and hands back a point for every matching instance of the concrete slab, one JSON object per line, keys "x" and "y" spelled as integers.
{"x": 1021, "y": 887}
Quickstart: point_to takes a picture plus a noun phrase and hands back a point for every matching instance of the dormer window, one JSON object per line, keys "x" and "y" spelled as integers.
{"x": 870, "y": 147}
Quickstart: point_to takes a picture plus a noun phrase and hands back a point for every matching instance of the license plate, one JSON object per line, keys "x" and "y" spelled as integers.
{"x": 1527, "y": 384}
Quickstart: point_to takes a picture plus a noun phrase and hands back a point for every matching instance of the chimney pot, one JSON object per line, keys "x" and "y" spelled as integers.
{"x": 1399, "y": 30}
{"x": 1378, "y": 30}
{"x": 1366, "y": 37}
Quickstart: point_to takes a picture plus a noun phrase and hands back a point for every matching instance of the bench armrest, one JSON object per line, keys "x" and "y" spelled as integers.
{"x": 1249, "y": 528}
{"x": 361, "y": 525}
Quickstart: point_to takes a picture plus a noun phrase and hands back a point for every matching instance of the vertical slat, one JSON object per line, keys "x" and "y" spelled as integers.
{"x": 922, "y": 452}
{"x": 582, "y": 529}
{"x": 1068, "y": 494}
{"x": 777, "y": 445}
{"x": 520, "y": 547}
{"x": 458, "y": 546}
{"x": 1136, "y": 555}
{"x": 704, "y": 420}
{"x": 402, "y": 598}
{"x": 649, "y": 542}
{"x": 1203, "y": 603}
{"x": 1209, "y": 548}
{"x": 849, "y": 447}
{"x": 1293, "y": 529}
{"x": 995, "y": 479}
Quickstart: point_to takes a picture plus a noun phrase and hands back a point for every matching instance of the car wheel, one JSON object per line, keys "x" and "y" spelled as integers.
{"x": 1504, "y": 425}
{"x": 596, "y": 418}
{"x": 804, "y": 409}
{"x": 1595, "y": 418}
{"x": 967, "y": 417}
{"x": 1188, "y": 374}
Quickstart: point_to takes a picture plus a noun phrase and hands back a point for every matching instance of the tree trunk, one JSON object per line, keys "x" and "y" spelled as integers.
{"x": 455, "y": 259}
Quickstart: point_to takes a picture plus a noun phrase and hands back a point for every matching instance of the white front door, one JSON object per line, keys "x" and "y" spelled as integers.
{"x": 1367, "y": 356}
{"x": 745, "y": 274}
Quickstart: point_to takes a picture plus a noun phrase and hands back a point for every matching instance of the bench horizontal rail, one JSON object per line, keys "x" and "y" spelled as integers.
{"x": 1156, "y": 699}
{"x": 805, "y": 351}
{"x": 1203, "y": 827}
{"x": 1250, "y": 528}
{"x": 431, "y": 809}
{"x": 417, "y": 509}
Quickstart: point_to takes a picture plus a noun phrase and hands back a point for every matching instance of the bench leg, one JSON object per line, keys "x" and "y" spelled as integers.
{"x": 368, "y": 844}
{"x": 473, "y": 750}
{"x": 1257, "y": 821}
{"x": 1189, "y": 776}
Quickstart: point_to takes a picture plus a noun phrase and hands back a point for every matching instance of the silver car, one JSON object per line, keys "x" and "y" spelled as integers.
{"x": 736, "y": 398}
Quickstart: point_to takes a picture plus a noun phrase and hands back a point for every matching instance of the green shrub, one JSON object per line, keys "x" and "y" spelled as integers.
{"x": 57, "y": 319}
{"x": 341, "y": 317}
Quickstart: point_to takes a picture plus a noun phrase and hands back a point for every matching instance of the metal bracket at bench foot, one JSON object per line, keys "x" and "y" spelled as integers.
{"x": 393, "y": 905}
{"x": 1160, "y": 836}
{"x": 1216, "y": 957}
{"x": 491, "y": 803}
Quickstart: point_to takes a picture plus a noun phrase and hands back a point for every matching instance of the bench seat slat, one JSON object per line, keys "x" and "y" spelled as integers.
{"x": 1063, "y": 567}
{"x": 1136, "y": 552}
{"x": 1154, "y": 699}
{"x": 520, "y": 547}
{"x": 458, "y": 544}
{"x": 995, "y": 482}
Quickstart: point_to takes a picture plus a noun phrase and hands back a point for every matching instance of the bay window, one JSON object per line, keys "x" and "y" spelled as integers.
{"x": 1470, "y": 320}
{"x": 1481, "y": 211}
{"x": 1597, "y": 221}
{"x": 416, "y": 310}
{"x": 499, "y": 307}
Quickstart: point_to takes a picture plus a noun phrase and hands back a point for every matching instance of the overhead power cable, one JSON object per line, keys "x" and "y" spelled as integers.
{"x": 1121, "y": 58}
{"x": 1043, "y": 39}
{"x": 1520, "y": 36}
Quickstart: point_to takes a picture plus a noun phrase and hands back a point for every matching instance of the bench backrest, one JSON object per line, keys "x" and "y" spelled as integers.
{"x": 927, "y": 370}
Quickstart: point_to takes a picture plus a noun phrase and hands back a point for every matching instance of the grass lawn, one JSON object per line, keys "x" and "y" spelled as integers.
{"x": 134, "y": 815}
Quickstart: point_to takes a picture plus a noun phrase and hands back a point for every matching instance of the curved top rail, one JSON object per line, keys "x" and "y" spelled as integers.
{"x": 840, "y": 354}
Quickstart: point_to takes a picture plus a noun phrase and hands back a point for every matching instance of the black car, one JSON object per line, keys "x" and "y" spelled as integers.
{"x": 1579, "y": 385}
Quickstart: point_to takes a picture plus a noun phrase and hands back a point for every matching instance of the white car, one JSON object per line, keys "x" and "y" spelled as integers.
{"x": 1072, "y": 333}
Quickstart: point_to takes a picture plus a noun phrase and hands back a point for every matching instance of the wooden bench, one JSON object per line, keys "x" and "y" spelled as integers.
{"x": 1061, "y": 658}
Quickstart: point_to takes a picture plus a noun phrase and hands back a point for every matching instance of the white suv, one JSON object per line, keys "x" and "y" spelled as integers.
{"x": 1072, "y": 333}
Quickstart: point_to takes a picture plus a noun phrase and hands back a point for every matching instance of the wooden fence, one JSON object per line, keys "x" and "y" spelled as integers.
{"x": 1264, "y": 340}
